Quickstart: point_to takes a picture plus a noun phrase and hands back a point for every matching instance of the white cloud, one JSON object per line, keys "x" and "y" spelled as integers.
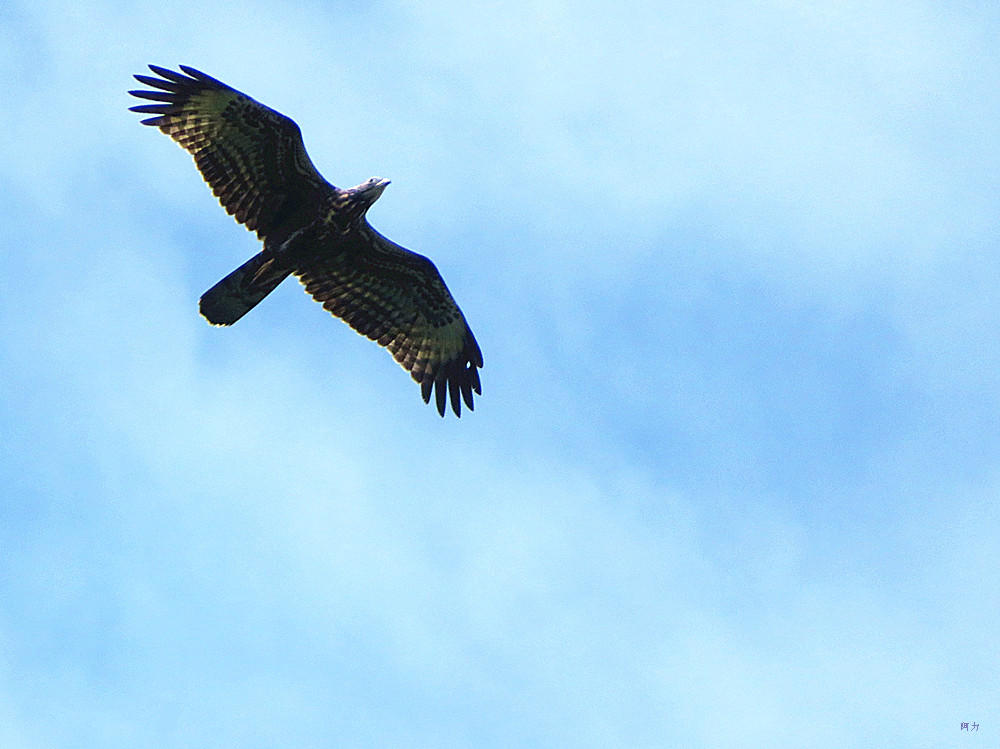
{"x": 731, "y": 274}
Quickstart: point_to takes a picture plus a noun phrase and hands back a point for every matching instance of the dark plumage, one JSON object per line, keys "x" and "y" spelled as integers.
{"x": 255, "y": 162}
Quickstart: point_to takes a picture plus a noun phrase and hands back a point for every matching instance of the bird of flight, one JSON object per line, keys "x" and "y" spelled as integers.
{"x": 254, "y": 160}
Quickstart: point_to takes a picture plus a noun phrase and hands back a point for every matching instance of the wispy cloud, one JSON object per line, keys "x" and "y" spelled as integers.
{"x": 730, "y": 480}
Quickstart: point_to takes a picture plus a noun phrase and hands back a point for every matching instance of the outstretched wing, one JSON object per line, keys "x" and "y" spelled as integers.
{"x": 251, "y": 156}
{"x": 399, "y": 300}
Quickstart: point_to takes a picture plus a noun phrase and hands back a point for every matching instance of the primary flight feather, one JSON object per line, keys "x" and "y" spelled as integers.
{"x": 255, "y": 162}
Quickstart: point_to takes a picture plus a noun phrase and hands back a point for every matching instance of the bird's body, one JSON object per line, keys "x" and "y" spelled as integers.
{"x": 255, "y": 162}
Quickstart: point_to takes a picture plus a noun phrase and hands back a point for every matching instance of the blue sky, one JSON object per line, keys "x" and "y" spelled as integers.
{"x": 733, "y": 478}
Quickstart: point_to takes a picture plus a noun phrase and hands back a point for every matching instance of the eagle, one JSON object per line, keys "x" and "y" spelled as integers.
{"x": 255, "y": 162}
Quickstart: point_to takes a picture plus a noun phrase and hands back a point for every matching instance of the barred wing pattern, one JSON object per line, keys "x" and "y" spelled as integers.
{"x": 254, "y": 160}
{"x": 398, "y": 299}
{"x": 252, "y": 157}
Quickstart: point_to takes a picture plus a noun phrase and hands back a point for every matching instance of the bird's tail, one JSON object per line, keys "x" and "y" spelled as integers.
{"x": 241, "y": 290}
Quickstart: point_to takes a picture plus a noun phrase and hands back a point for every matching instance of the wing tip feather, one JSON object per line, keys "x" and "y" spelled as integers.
{"x": 170, "y": 75}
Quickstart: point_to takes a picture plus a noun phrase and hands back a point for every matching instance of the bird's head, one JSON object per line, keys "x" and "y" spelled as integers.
{"x": 355, "y": 201}
{"x": 371, "y": 189}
